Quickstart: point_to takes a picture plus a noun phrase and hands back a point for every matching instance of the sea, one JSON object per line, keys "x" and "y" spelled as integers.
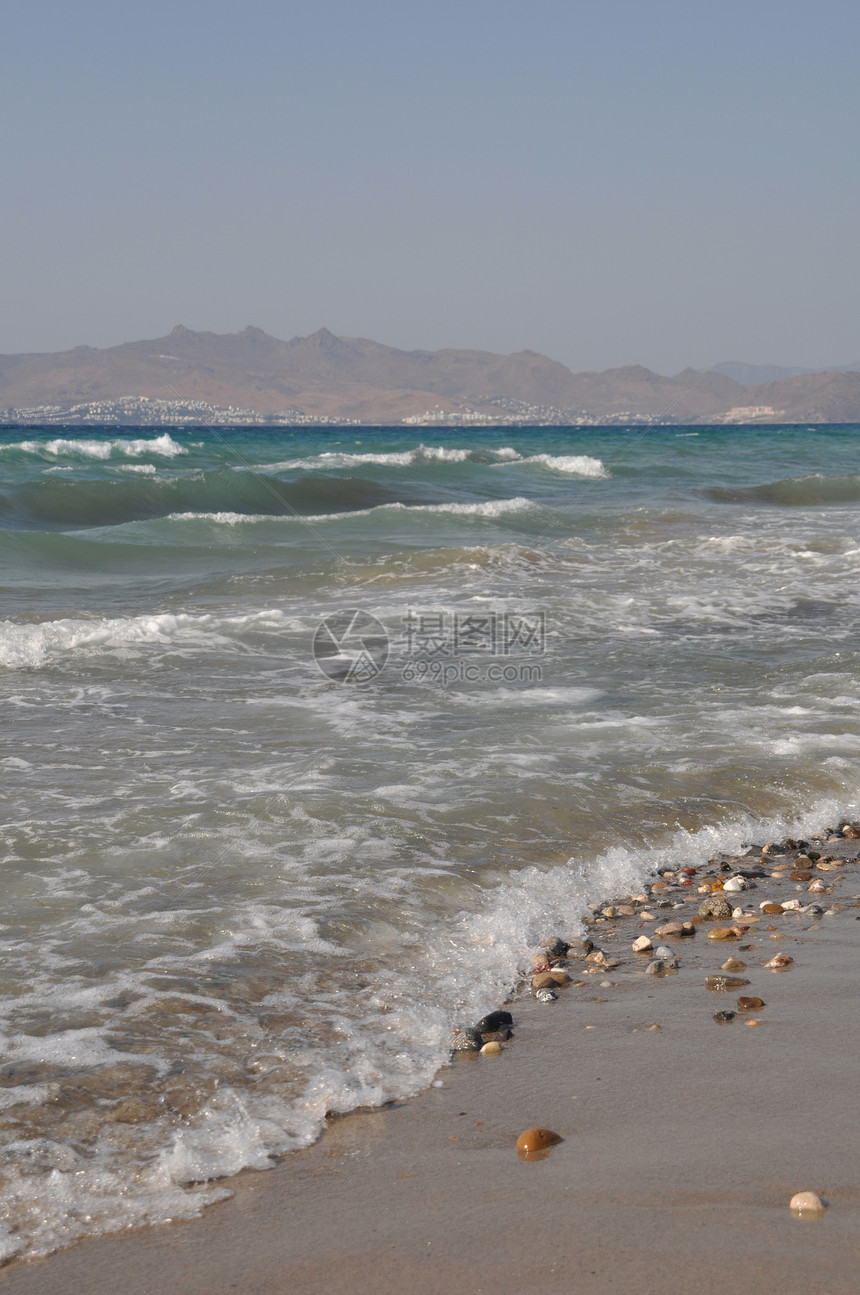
{"x": 311, "y": 735}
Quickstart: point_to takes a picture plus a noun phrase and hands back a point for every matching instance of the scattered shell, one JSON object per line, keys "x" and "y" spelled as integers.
{"x": 641, "y": 945}
{"x": 806, "y": 1204}
{"x": 779, "y": 961}
{"x": 537, "y": 1140}
{"x": 720, "y": 984}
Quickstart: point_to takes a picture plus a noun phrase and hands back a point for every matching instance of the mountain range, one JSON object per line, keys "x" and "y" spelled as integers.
{"x": 252, "y": 376}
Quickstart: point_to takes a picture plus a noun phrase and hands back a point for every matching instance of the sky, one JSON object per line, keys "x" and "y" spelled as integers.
{"x": 661, "y": 182}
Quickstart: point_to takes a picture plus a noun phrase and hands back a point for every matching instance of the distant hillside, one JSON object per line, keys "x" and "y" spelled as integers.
{"x": 752, "y": 375}
{"x": 251, "y": 376}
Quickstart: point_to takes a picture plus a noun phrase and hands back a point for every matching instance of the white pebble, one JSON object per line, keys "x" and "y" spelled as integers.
{"x": 806, "y": 1203}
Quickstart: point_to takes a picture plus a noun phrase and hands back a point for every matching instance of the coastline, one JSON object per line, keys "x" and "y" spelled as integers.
{"x": 681, "y": 1146}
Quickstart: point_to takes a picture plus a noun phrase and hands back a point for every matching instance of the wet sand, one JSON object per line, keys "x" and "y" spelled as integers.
{"x": 682, "y": 1147}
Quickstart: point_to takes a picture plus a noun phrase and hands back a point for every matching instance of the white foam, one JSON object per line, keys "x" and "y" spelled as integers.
{"x": 490, "y": 508}
{"x": 391, "y": 458}
{"x": 578, "y": 465}
{"x": 164, "y": 446}
{"x": 32, "y": 645}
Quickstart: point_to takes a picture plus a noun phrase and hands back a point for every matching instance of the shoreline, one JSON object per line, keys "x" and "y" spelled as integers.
{"x": 681, "y": 1146}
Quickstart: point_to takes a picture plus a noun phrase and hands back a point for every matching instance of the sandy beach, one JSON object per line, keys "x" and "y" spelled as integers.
{"x": 682, "y": 1146}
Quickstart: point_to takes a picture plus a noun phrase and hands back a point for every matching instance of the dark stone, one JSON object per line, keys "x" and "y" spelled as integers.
{"x": 724, "y": 1018}
{"x": 467, "y": 1040}
{"x": 556, "y": 947}
{"x": 494, "y": 1021}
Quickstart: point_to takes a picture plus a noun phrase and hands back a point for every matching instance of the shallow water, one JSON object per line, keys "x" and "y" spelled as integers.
{"x": 242, "y": 889}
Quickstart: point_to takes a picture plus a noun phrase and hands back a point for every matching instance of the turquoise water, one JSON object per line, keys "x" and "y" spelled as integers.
{"x": 248, "y": 881}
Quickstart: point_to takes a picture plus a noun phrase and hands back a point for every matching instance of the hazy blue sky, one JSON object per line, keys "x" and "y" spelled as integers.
{"x": 607, "y": 181}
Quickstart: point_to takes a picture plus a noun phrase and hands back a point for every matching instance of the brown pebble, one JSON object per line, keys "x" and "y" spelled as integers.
{"x": 544, "y": 980}
{"x": 669, "y": 930}
{"x": 772, "y": 908}
{"x": 750, "y": 1004}
{"x": 734, "y": 964}
{"x": 536, "y": 1140}
{"x": 724, "y": 933}
{"x": 491, "y": 1050}
{"x": 753, "y": 1022}
{"x": 779, "y": 961}
{"x": 720, "y": 984}
{"x": 560, "y": 977}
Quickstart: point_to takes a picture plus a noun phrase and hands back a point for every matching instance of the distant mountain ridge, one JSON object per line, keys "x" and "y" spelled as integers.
{"x": 252, "y": 376}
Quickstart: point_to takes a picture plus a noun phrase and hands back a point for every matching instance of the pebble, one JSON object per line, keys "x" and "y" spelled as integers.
{"x": 641, "y": 945}
{"x": 670, "y": 929}
{"x": 724, "y": 1018}
{"x": 660, "y": 966}
{"x": 770, "y": 907}
{"x": 537, "y": 1140}
{"x": 491, "y": 1050}
{"x": 806, "y": 1203}
{"x": 715, "y": 906}
{"x": 779, "y": 961}
{"x": 753, "y": 1022}
{"x": 817, "y": 887}
{"x": 662, "y": 951}
{"x": 546, "y": 995}
{"x": 560, "y": 977}
{"x": 750, "y": 1004}
{"x": 733, "y": 964}
{"x": 626, "y": 910}
{"x": 494, "y": 1021}
{"x": 719, "y": 984}
{"x": 725, "y": 933}
{"x": 544, "y": 980}
{"x": 734, "y": 883}
{"x": 647, "y": 917}
{"x": 468, "y": 1040}
{"x": 556, "y": 947}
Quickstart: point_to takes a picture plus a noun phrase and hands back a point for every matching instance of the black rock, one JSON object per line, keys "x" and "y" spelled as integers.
{"x": 493, "y": 1022}
{"x": 723, "y": 1018}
